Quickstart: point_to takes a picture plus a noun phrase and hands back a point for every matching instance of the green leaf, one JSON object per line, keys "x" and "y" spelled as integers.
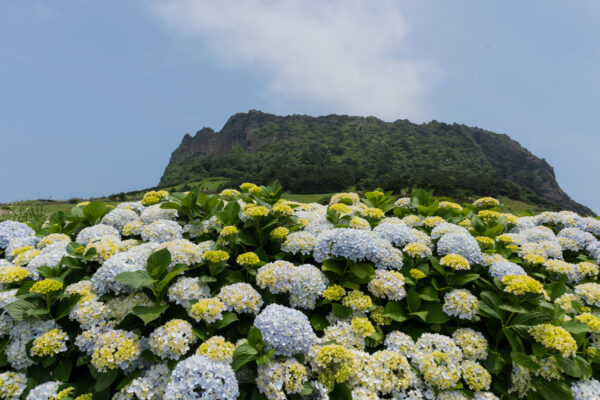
{"x": 265, "y": 358}
{"x": 94, "y": 211}
{"x": 207, "y": 279}
{"x": 435, "y": 313}
{"x": 575, "y": 327}
{"x": 515, "y": 341}
{"x": 494, "y": 231}
{"x": 489, "y": 303}
{"x": 199, "y": 334}
{"x": 394, "y": 310}
{"x": 515, "y": 309}
{"x": 340, "y": 310}
{"x": 362, "y": 273}
{"x": 149, "y": 313}
{"x": 584, "y": 366}
{"x": 523, "y": 360}
{"x": 429, "y": 293}
{"x": 158, "y": 263}
{"x": 88, "y": 255}
{"x": 164, "y": 282}
{"x": 128, "y": 379}
{"x": 228, "y": 318}
{"x": 247, "y": 238}
{"x": 136, "y": 279}
{"x": 329, "y": 265}
{"x": 463, "y": 279}
{"x": 307, "y": 389}
{"x": 556, "y": 289}
{"x": 243, "y": 355}
{"x": 494, "y": 362}
{"x": 341, "y": 392}
{"x": 62, "y": 370}
{"x": 569, "y": 366}
{"x": 103, "y": 381}
{"x": 19, "y": 309}
{"x": 255, "y": 339}
{"x": 412, "y": 300}
{"x": 531, "y": 318}
{"x": 66, "y": 304}
{"x": 553, "y": 390}
{"x": 319, "y": 322}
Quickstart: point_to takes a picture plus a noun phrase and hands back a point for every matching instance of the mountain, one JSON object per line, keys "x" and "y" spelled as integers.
{"x": 331, "y": 153}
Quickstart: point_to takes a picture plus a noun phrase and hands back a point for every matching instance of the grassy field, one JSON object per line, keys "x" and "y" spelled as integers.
{"x": 37, "y": 209}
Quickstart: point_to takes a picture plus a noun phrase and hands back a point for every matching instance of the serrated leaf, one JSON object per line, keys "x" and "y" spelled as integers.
{"x": 255, "y": 338}
{"x": 319, "y": 322}
{"x": 228, "y": 318}
{"x": 575, "y": 327}
{"x": 149, "y": 313}
{"x": 394, "y": 310}
{"x": 435, "y": 313}
{"x": 62, "y": 370}
{"x": 243, "y": 355}
{"x": 524, "y": 360}
{"x": 158, "y": 263}
{"x": 19, "y": 310}
{"x": 340, "y": 310}
{"x": 412, "y": 300}
{"x": 103, "y": 381}
{"x": 135, "y": 279}
{"x": 66, "y": 304}
{"x": 463, "y": 279}
{"x": 429, "y": 293}
{"x": 362, "y": 272}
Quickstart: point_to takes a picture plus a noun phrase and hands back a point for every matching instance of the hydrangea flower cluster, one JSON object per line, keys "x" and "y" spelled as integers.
{"x": 368, "y": 296}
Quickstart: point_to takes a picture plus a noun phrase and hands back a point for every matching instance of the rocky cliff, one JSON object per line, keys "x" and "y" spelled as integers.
{"x": 329, "y": 153}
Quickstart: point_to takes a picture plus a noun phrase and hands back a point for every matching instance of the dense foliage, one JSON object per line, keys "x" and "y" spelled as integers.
{"x": 243, "y": 295}
{"x": 333, "y": 153}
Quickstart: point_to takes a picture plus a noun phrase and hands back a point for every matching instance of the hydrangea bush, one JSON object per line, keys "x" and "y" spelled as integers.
{"x": 244, "y": 295}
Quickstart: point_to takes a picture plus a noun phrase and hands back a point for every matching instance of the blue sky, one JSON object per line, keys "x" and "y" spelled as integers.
{"x": 95, "y": 95}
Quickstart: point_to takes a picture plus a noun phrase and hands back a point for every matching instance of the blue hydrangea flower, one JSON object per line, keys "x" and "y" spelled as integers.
{"x": 13, "y": 229}
{"x": 501, "y": 269}
{"x": 284, "y": 329}
{"x": 586, "y": 390}
{"x": 357, "y": 245}
{"x": 198, "y": 378}
{"x": 45, "y": 391}
{"x": 398, "y": 234}
{"x": 460, "y": 243}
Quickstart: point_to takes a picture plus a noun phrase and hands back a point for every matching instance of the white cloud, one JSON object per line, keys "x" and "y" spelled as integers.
{"x": 344, "y": 56}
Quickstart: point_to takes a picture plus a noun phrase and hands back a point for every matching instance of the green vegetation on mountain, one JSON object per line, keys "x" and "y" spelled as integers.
{"x": 331, "y": 153}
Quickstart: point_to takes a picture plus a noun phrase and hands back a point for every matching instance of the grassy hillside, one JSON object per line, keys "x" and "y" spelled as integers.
{"x": 326, "y": 154}
{"x": 41, "y": 209}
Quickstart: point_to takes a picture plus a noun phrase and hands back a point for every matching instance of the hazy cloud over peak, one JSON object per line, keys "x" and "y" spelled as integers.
{"x": 342, "y": 56}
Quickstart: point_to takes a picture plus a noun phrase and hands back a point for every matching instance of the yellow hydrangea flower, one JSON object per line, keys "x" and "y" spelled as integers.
{"x": 417, "y": 250}
{"x": 50, "y": 343}
{"x": 340, "y": 208}
{"x": 46, "y": 286}
{"x": 217, "y": 348}
{"x": 13, "y": 274}
{"x": 455, "y": 261}
{"x": 249, "y": 258}
{"x": 279, "y": 233}
{"x": 256, "y": 212}
{"x": 522, "y": 284}
{"x": 334, "y": 293}
{"x": 362, "y": 326}
{"x": 590, "y": 320}
{"x": 209, "y": 310}
{"x": 554, "y": 337}
{"x": 215, "y": 256}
